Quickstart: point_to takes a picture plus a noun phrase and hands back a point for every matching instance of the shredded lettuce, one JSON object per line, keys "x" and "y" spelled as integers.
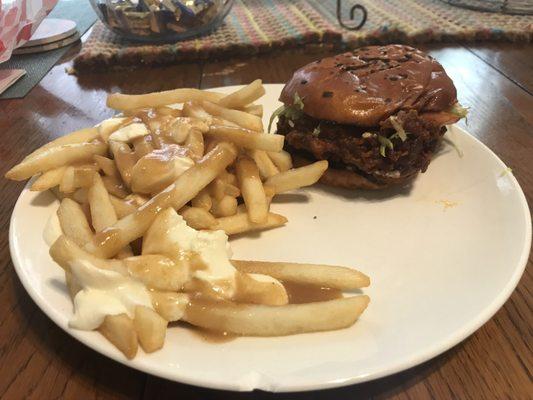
{"x": 277, "y": 112}
{"x": 298, "y": 101}
{"x": 459, "y": 111}
{"x": 399, "y": 128}
{"x": 316, "y": 131}
{"x": 292, "y": 113}
{"x": 385, "y": 143}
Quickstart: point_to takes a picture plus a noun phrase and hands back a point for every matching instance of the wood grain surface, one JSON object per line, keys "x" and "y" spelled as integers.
{"x": 40, "y": 361}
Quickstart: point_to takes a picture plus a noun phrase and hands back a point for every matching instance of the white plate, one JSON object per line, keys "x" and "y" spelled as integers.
{"x": 443, "y": 258}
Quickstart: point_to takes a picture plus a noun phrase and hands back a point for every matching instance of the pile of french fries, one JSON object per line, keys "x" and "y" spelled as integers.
{"x": 124, "y": 183}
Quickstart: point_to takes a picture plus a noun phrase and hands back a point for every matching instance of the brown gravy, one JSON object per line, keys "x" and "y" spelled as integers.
{"x": 301, "y": 293}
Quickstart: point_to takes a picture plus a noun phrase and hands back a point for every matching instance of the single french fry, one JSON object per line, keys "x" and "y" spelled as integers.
{"x": 81, "y": 136}
{"x": 193, "y": 109}
{"x": 297, "y": 177}
{"x": 203, "y": 200}
{"x": 55, "y": 157}
{"x": 48, "y": 179}
{"x": 260, "y": 320}
{"x": 107, "y": 166}
{"x": 158, "y": 169}
{"x": 76, "y": 177}
{"x": 244, "y": 96}
{"x": 124, "y": 159}
{"x": 120, "y": 101}
{"x": 173, "y": 112}
{"x": 217, "y": 189}
{"x": 266, "y": 167}
{"x": 73, "y": 222}
{"x": 170, "y": 305}
{"x": 122, "y": 207}
{"x": 241, "y": 118}
{"x": 252, "y": 190}
{"x": 107, "y": 243}
{"x": 309, "y": 274}
{"x": 198, "y": 218}
{"x": 254, "y": 109}
{"x": 142, "y": 146}
{"x": 115, "y": 186}
{"x": 151, "y": 328}
{"x": 239, "y": 223}
{"x": 254, "y": 289}
{"x": 81, "y": 196}
{"x": 225, "y": 207}
{"x": 125, "y": 252}
{"x": 228, "y": 177}
{"x": 102, "y": 211}
{"x": 180, "y": 128}
{"x": 232, "y": 190}
{"x": 195, "y": 144}
{"x": 247, "y": 138}
{"x": 110, "y": 125}
{"x": 120, "y": 330}
{"x": 281, "y": 159}
{"x": 64, "y": 251}
{"x": 159, "y": 272}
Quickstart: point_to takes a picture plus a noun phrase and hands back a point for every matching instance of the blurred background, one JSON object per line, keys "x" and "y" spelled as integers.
{"x": 34, "y": 34}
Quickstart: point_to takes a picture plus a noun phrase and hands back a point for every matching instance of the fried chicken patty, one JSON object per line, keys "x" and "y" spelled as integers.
{"x": 378, "y": 154}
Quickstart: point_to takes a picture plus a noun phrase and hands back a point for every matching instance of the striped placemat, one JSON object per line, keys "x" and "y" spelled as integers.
{"x": 259, "y": 26}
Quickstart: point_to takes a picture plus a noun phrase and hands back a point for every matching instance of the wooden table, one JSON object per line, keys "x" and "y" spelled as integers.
{"x": 39, "y": 361}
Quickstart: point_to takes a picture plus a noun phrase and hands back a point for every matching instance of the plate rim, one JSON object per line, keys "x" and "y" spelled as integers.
{"x": 417, "y": 358}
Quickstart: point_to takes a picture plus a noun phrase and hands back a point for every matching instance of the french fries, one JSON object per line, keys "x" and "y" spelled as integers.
{"x": 120, "y": 330}
{"x": 150, "y": 327}
{"x": 261, "y": 320}
{"x": 253, "y": 192}
{"x": 55, "y": 157}
{"x": 244, "y": 96}
{"x": 240, "y": 223}
{"x": 119, "y": 101}
{"x": 103, "y": 213}
{"x": 198, "y": 218}
{"x": 73, "y": 222}
{"x": 81, "y": 136}
{"x": 297, "y": 177}
{"x": 240, "y": 118}
{"x": 108, "y": 243}
{"x": 246, "y": 138}
{"x": 281, "y": 159}
{"x": 309, "y": 274}
{"x": 48, "y": 179}
{"x": 129, "y": 187}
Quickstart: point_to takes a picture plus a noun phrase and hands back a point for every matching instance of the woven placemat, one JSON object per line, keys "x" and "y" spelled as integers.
{"x": 426, "y": 21}
{"x": 259, "y": 26}
{"x": 252, "y": 27}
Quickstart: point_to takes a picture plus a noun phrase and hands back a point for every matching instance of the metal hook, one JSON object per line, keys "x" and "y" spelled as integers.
{"x": 353, "y": 9}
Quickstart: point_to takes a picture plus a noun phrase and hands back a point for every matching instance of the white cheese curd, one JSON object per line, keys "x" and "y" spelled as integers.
{"x": 104, "y": 292}
{"x": 213, "y": 250}
{"x": 52, "y": 229}
{"x": 129, "y": 132}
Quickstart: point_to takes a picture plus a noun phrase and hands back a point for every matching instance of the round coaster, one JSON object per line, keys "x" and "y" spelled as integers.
{"x": 47, "y": 47}
{"x": 51, "y": 30}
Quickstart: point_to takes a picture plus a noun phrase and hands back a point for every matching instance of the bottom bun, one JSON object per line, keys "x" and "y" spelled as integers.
{"x": 352, "y": 180}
